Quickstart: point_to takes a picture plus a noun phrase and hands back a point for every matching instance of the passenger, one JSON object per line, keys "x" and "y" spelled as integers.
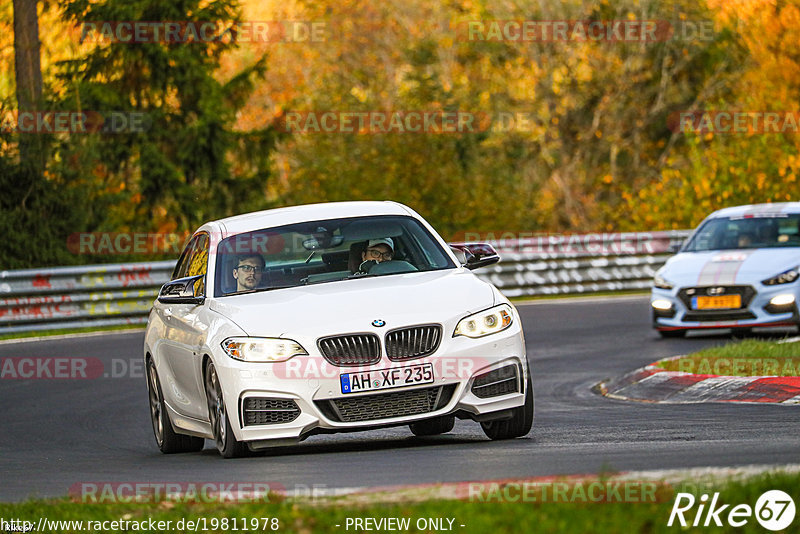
{"x": 247, "y": 272}
{"x": 745, "y": 240}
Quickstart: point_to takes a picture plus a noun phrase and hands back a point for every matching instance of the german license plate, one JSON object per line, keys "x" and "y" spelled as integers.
{"x": 720, "y": 302}
{"x": 387, "y": 378}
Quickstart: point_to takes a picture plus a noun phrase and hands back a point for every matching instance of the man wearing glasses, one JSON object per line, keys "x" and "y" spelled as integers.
{"x": 248, "y": 272}
{"x": 378, "y": 250}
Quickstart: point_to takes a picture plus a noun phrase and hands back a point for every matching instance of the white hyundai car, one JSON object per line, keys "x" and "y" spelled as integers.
{"x": 738, "y": 270}
{"x": 337, "y": 317}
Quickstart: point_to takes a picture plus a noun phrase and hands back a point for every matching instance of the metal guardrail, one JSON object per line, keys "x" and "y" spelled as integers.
{"x": 102, "y": 295}
{"x": 75, "y": 297}
{"x": 590, "y": 263}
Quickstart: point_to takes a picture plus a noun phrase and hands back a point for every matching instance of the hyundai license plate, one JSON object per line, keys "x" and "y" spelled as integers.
{"x": 395, "y": 377}
{"x": 722, "y": 302}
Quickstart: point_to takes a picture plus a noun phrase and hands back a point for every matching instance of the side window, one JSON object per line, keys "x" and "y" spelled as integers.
{"x": 198, "y": 264}
{"x": 182, "y": 267}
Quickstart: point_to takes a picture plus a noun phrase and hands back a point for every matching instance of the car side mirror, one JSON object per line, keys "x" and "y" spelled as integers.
{"x": 182, "y": 291}
{"x": 475, "y": 255}
{"x": 675, "y": 246}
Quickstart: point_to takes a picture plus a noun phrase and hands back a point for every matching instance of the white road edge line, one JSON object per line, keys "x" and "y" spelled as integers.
{"x": 577, "y": 300}
{"x": 69, "y": 336}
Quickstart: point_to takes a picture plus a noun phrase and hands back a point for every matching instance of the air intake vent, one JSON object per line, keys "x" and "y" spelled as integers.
{"x": 264, "y": 411}
{"x": 498, "y": 382}
{"x": 387, "y": 405}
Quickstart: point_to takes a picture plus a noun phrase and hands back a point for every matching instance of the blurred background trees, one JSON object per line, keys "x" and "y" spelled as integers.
{"x": 596, "y": 152}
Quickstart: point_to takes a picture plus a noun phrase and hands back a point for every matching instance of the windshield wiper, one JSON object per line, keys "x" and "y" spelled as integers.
{"x": 359, "y": 275}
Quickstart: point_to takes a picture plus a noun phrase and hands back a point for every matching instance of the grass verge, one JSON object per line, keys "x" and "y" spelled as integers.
{"x": 749, "y": 357}
{"x": 514, "y": 511}
{"x": 65, "y": 331}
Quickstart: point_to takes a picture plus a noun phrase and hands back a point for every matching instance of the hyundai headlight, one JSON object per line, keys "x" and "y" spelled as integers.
{"x": 786, "y": 277}
{"x": 661, "y": 282}
{"x": 486, "y": 322}
{"x": 262, "y": 349}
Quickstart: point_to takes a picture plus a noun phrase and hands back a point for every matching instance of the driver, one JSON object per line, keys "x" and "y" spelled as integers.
{"x": 247, "y": 272}
{"x": 377, "y": 250}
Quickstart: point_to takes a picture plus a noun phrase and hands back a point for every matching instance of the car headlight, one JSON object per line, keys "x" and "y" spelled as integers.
{"x": 661, "y": 282}
{"x": 262, "y": 349}
{"x": 786, "y": 277}
{"x": 486, "y": 322}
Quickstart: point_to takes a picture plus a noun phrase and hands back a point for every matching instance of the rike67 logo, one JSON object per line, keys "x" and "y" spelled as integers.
{"x": 774, "y": 510}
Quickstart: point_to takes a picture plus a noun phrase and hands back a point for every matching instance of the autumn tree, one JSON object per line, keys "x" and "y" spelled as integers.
{"x": 189, "y": 165}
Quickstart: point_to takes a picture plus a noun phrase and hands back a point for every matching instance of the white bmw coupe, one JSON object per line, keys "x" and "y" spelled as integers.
{"x": 338, "y": 317}
{"x": 738, "y": 270}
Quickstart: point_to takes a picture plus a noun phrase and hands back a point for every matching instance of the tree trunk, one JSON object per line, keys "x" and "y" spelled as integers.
{"x": 29, "y": 80}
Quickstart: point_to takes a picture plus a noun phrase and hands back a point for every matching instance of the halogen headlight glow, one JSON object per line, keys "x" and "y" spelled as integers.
{"x": 262, "y": 349}
{"x": 782, "y": 300}
{"x": 661, "y": 304}
{"x": 661, "y": 282}
{"x": 486, "y": 322}
{"x": 786, "y": 277}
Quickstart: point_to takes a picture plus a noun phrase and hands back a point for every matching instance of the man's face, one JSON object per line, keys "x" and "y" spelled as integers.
{"x": 247, "y": 274}
{"x": 379, "y": 253}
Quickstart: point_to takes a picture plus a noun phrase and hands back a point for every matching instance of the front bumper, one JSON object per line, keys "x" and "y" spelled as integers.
{"x": 313, "y": 386}
{"x": 756, "y": 310}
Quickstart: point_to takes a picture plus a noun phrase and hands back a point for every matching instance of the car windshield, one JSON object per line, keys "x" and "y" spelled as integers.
{"x": 325, "y": 251}
{"x": 747, "y": 232}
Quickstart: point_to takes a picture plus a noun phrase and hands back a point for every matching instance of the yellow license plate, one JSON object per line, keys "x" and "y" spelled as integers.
{"x": 721, "y": 302}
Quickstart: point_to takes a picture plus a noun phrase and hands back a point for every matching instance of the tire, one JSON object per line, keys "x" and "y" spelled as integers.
{"x": 168, "y": 441}
{"x": 227, "y": 444}
{"x": 433, "y": 427}
{"x": 672, "y": 333}
{"x": 741, "y": 333}
{"x": 520, "y": 423}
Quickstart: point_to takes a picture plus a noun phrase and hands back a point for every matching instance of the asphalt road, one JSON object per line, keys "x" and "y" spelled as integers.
{"x": 58, "y": 433}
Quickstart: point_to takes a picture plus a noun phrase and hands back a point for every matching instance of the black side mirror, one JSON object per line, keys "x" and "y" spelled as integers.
{"x": 475, "y": 255}
{"x": 182, "y": 291}
{"x": 675, "y": 246}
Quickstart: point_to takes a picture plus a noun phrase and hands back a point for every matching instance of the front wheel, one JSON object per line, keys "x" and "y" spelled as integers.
{"x": 519, "y": 424}
{"x": 167, "y": 439}
{"x": 227, "y": 444}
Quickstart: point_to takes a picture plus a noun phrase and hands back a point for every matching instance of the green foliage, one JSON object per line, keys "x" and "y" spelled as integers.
{"x": 36, "y": 215}
{"x": 590, "y": 148}
{"x": 498, "y": 507}
{"x": 597, "y": 113}
{"x": 178, "y": 173}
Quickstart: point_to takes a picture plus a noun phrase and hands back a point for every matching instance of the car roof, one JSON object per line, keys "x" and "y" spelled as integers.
{"x": 310, "y": 212}
{"x": 758, "y": 210}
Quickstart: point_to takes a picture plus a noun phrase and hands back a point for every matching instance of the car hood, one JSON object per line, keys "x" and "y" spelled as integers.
{"x": 352, "y": 305}
{"x": 746, "y": 266}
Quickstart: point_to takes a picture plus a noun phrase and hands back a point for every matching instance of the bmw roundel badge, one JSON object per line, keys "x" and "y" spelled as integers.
{"x": 378, "y": 323}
